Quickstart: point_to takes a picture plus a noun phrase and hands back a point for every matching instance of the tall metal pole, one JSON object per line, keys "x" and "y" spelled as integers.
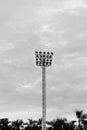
{"x": 43, "y": 98}
{"x": 43, "y": 59}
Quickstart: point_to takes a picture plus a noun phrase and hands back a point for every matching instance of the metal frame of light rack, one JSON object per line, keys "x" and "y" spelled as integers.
{"x": 43, "y": 59}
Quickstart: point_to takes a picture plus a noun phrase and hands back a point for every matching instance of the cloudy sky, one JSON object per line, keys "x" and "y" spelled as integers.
{"x": 48, "y": 25}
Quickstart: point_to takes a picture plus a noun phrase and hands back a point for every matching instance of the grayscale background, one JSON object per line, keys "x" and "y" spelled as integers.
{"x": 27, "y": 26}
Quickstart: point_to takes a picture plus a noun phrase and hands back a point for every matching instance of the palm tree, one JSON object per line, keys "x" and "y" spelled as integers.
{"x": 81, "y": 118}
{"x": 84, "y": 121}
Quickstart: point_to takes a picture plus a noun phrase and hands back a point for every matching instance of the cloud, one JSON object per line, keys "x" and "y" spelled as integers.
{"x": 23, "y": 31}
{"x": 72, "y": 4}
{"x": 24, "y": 87}
{"x": 69, "y": 6}
{"x": 5, "y": 46}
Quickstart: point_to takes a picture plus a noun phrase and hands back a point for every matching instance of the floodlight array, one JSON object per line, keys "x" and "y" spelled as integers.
{"x": 43, "y": 58}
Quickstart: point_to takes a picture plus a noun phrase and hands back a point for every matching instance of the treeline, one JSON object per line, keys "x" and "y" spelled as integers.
{"x": 56, "y": 124}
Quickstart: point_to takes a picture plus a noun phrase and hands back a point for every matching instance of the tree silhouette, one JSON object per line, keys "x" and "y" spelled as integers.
{"x": 4, "y": 124}
{"x": 31, "y": 125}
{"x": 17, "y": 125}
{"x": 58, "y": 124}
{"x": 39, "y": 123}
{"x": 79, "y": 115}
{"x": 84, "y": 121}
{"x": 71, "y": 125}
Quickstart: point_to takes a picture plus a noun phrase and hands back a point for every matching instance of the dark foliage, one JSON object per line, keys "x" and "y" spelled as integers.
{"x": 57, "y": 124}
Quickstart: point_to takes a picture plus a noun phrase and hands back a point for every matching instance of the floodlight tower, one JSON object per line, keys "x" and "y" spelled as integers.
{"x": 43, "y": 59}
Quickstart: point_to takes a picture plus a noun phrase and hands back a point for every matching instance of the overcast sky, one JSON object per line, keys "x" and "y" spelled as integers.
{"x": 47, "y": 25}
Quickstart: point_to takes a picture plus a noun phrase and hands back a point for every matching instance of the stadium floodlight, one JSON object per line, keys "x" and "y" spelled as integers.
{"x": 43, "y": 59}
